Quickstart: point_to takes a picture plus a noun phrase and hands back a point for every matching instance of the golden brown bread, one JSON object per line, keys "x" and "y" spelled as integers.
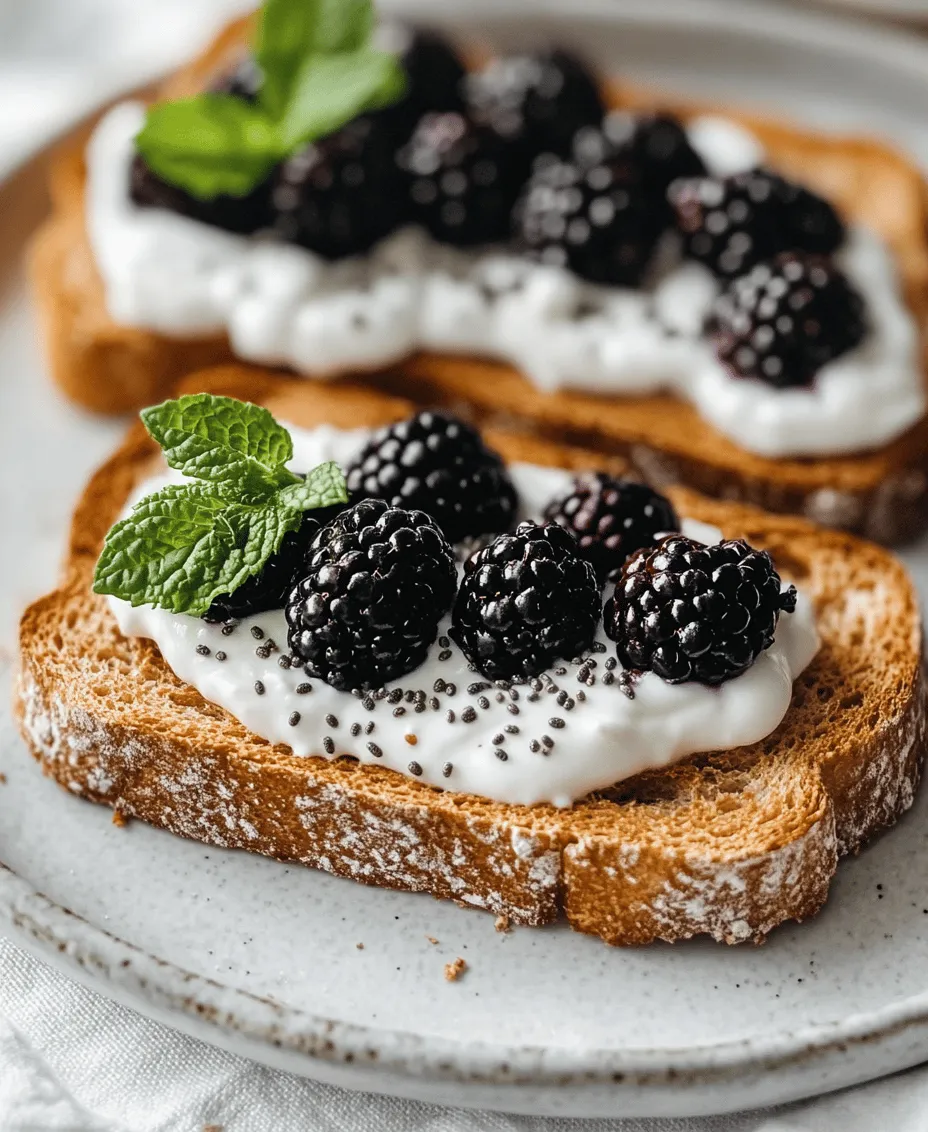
{"x": 730, "y": 844}
{"x": 883, "y": 494}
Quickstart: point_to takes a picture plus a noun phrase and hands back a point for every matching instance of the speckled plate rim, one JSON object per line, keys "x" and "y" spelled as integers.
{"x": 714, "y": 1078}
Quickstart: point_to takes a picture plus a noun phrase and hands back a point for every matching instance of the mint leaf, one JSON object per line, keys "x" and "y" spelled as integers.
{"x": 223, "y": 441}
{"x": 286, "y": 36}
{"x": 210, "y": 144}
{"x": 343, "y": 25}
{"x": 330, "y": 90}
{"x": 183, "y": 546}
{"x": 324, "y": 486}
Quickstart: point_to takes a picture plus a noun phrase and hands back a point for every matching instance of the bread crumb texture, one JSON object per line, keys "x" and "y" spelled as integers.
{"x": 455, "y": 969}
{"x": 727, "y": 844}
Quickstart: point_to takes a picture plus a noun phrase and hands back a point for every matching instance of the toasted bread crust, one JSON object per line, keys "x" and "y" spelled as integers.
{"x": 883, "y": 494}
{"x": 728, "y": 844}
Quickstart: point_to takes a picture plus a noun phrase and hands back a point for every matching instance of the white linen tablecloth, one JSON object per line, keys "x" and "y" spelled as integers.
{"x": 70, "y": 1059}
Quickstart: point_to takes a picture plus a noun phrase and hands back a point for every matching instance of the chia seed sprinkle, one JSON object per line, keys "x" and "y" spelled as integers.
{"x": 414, "y": 768}
{"x": 583, "y": 674}
{"x": 395, "y": 696}
{"x": 447, "y": 769}
{"x": 611, "y": 662}
{"x": 259, "y": 688}
{"x": 369, "y": 728}
{"x": 439, "y": 685}
{"x": 513, "y": 709}
{"x": 355, "y": 730}
{"x": 500, "y": 738}
{"x": 480, "y": 686}
{"x": 534, "y": 746}
{"x": 451, "y": 689}
{"x": 410, "y": 696}
{"x": 536, "y": 685}
{"x": 511, "y": 729}
{"x": 228, "y": 630}
{"x": 547, "y": 741}
{"x": 468, "y": 715}
{"x": 331, "y": 720}
{"x": 513, "y": 693}
{"x": 533, "y": 697}
{"x": 483, "y": 702}
{"x": 328, "y": 746}
{"x": 368, "y": 703}
{"x": 560, "y": 671}
{"x": 398, "y": 711}
{"x": 562, "y": 698}
{"x": 500, "y": 698}
{"x": 420, "y": 707}
{"x": 568, "y": 705}
{"x": 375, "y": 750}
{"x": 501, "y": 755}
{"x": 294, "y": 718}
{"x": 262, "y": 652}
{"x": 581, "y": 696}
{"x": 450, "y": 716}
{"x": 220, "y": 655}
{"x": 302, "y": 689}
{"x": 434, "y": 703}
{"x": 556, "y": 722}
{"x": 445, "y": 654}
{"x": 444, "y": 642}
{"x": 598, "y": 646}
{"x": 608, "y": 677}
{"x": 203, "y": 650}
{"x": 257, "y": 632}
{"x": 284, "y": 661}
{"x": 380, "y": 694}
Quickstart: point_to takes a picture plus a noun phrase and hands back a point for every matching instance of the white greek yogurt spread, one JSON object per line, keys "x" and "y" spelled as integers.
{"x": 588, "y": 735}
{"x": 283, "y": 305}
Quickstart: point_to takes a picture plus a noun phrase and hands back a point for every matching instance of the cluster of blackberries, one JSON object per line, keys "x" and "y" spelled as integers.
{"x": 366, "y": 586}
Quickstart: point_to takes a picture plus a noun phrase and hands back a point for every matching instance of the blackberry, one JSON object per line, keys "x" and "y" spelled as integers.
{"x": 535, "y": 102}
{"x": 437, "y": 464}
{"x": 270, "y": 588}
{"x": 461, "y": 179}
{"x": 376, "y": 583}
{"x": 597, "y": 220}
{"x": 785, "y": 319}
{"x": 732, "y": 223}
{"x": 692, "y": 612}
{"x": 526, "y": 600}
{"x": 611, "y": 518}
{"x": 434, "y": 73}
{"x": 340, "y": 195}
{"x": 245, "y": 214}
{"x": 656, "y": 144}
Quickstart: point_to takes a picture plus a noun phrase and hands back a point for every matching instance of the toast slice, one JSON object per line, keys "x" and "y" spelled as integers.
{"x": 883, "y": 493}
{"x": 730, "y": 844}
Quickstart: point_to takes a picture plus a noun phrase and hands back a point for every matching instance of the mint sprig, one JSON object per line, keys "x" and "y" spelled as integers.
{"x": 187, "y": 544}
{"x": 319, "y": 71}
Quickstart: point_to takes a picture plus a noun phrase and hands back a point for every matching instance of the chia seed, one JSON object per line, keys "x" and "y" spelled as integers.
{"x": 513, "y": 693}
{"x": 500, "y": 738}
{"x": 447, "y": 769}
{"x": 501, "y": 755}
{"x": 259, "y": 688}
{"x": 581, "y": 696}
{"x": 294, "y": 718}
{"x": 328, "y": 746}
{"x": 284, "y": 661}
{"x": 556, "y": 722}
{"x": 511, "y": 729}
{"x": 534, "y": 746}
{"x": 500, "y": 698}
{"x": 257, "y": 632}
{"x": 547, "y": 741}
{"x": 444, "y": 642}
{"x": 398, "y": 711}
{"x": 611, "y": 662}
{"x": 568, "y": 705}
{"x": 533, "y": 697}
{"x": 203, "y": 650}
{"x": 380, "y": 694}
{"x": 369, "y": 728}
{"x": 451, "y": 689}
{"x": 598, "y": 646}
{"x": 438, "y": 686}
{"x": 561, "y": 698}
{"x": 302, "y": 689}
{"x": 355, "y": 730}
{"x": 395, "y": 696}
{"x": 450, "y": 716}
{"x": 228, "y": 630}
{"x": 560, "y": 671}
{"x": 375, "y": 750}
{"x": 331, "y": 720}
{"x": 420, "y": 707}
{"x": 480, "y": 686}
{"x": 608, "y": 677}
{"x": 414, "y": 768}
{"x": 513, "y": 709}
{"x": 434, "y": 703}
{"x": 483, "y": 702}
{"x": 468, "y": 715}
{"x": 368, "y": 703}
{"x": 445, "y": 654}
{"x": 220, "y": 655}
{"x": 410, "y": 696}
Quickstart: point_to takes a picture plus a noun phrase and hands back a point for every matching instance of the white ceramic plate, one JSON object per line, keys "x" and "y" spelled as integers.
{"x": 262, "y": 958}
